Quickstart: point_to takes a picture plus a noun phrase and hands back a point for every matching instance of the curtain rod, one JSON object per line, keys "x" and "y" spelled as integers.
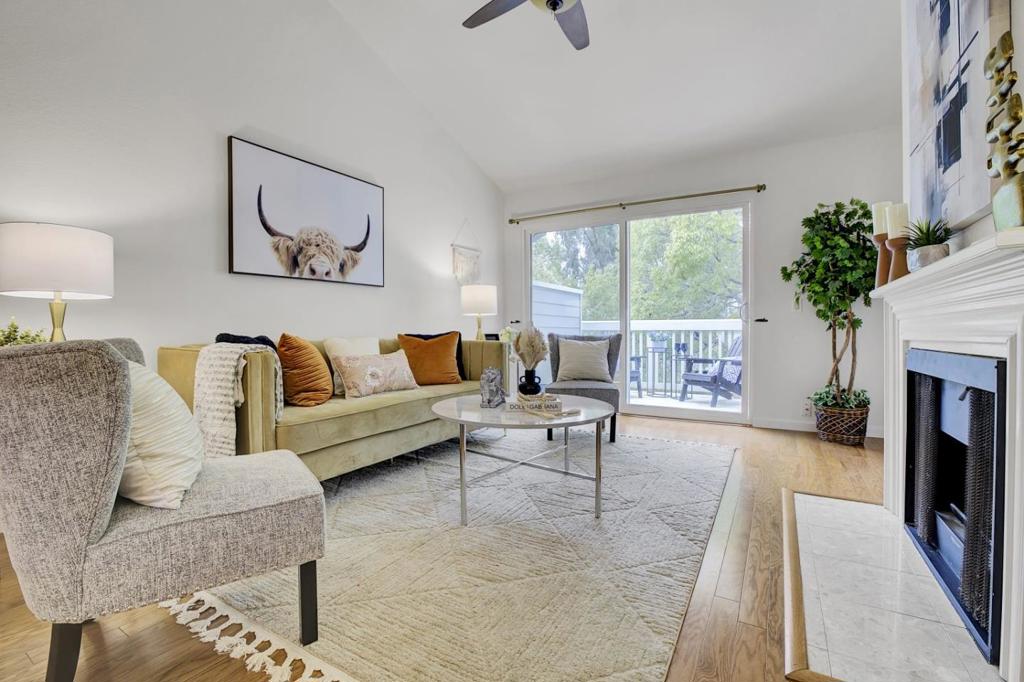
{"x": 626, "y": 204}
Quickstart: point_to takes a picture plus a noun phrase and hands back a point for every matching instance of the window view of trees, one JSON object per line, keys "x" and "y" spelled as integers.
{"x": 683, "y": 266}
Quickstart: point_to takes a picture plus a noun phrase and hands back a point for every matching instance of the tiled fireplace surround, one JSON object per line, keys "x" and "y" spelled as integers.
{"x": 971, "y": 302}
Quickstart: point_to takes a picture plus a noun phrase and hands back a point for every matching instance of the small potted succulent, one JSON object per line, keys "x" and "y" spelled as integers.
{"x": 926, "y": 243}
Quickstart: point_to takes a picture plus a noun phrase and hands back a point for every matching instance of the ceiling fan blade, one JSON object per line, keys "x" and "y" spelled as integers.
{"x": 574, "y": 25}
{"x": 492, "y": 10}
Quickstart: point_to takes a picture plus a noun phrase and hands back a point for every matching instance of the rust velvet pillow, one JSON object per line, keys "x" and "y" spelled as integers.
{"x": 307, "y": 378}
{"x": 432, "y": 360}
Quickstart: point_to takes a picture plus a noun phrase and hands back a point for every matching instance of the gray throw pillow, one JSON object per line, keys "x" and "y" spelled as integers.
{"x": 583, "y": 361}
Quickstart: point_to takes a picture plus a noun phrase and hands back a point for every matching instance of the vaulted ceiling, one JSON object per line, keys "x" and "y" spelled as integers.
{"x": 663, "y": 80}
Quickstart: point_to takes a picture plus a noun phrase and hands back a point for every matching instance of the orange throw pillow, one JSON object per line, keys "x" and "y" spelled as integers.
{"x": 432, "y": 360}
{"x": 307, "y": 378}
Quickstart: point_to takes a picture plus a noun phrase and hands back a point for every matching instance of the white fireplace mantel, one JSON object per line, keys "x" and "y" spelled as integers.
{"x": 971, "y": 302}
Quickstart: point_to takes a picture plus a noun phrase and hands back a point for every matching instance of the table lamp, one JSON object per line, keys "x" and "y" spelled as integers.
{"x": 480, "y": 300}
{"x": 40, "y": 260}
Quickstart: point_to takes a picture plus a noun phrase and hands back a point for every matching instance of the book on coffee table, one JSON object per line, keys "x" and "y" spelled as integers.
{"x": 538, "y": 403}
{"x": 552, "y": 414}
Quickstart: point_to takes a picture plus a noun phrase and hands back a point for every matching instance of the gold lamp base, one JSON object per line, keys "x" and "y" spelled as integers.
{"x": 480, "y": 328}
{"x": 57, "y": 309}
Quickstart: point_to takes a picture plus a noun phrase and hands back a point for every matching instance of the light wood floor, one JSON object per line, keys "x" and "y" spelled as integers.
{"x": 732, "y": 633}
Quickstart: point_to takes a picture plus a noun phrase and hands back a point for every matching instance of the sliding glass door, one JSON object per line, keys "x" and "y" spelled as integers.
{"x": 687, "y": 314}
{"x": 673, "y": 285}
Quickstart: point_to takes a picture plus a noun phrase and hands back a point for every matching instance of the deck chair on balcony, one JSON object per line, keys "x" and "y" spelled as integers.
{"x": 721, "y": 377}
{"x": 635, "y": 364}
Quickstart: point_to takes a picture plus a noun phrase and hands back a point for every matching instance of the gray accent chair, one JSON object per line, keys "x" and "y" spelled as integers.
{"x": 80, "y": 551}
{"x": 599, "y": 390}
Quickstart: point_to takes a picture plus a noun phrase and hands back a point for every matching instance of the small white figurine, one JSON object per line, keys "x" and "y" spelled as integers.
{"x": 491, "y": 392}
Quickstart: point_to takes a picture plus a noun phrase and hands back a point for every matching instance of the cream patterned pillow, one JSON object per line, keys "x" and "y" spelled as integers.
{"x": 338, "y": 347}
{"x": 365, "y": 375}
{"x": 165, "y": 446}
{"x": 583, "y": 360}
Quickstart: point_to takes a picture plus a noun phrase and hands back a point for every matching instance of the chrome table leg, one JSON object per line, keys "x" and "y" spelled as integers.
{"x": 462, "y": 472}
{"x": 566, "y": 448}
{"x": 598, "y": 428}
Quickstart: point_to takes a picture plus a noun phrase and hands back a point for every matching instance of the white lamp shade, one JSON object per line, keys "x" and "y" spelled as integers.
{"x": 479, "y": 299}
{"x": 39, "y": 260}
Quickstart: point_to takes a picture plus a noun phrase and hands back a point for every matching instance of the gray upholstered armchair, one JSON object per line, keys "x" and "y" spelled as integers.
{"x": 599, "y": 390}
{"x": 80, "y": 551}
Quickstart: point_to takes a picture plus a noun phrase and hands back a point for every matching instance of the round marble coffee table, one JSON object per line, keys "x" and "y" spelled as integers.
{"x": 468, "y": 414}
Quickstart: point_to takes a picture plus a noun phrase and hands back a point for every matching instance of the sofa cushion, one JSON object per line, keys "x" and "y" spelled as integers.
{"x": 460, "y": 363}
{"x": 307, "y": 377}
{"x": 339, "y": 420}
{"x": 244, "y": 516}
{"x": 338, "y": 347}
{"x": 365, "y": 375}
{"x": 433, "y": 360}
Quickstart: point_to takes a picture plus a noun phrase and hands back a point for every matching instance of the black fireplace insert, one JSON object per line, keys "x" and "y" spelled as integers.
{"x": 956, "y": 451}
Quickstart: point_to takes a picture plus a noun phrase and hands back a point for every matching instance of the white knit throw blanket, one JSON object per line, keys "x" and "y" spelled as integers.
{"x": 218, "y": 391}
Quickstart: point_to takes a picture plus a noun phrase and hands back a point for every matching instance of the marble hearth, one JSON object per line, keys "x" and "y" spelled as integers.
{"x": 873, "y": 612}
{"x": 971, "y": 303}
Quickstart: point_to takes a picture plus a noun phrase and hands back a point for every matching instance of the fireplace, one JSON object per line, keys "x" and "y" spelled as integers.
{"x": 955, "y": 468}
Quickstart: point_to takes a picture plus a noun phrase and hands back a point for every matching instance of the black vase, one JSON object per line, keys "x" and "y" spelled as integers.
{"x": 529, "y": 384}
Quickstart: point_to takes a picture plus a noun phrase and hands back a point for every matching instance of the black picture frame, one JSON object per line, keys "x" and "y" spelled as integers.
{"x": 233, "y": 267}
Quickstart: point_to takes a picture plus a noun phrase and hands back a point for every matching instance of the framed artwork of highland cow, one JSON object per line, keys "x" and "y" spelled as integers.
{"x": 296, "y": 219}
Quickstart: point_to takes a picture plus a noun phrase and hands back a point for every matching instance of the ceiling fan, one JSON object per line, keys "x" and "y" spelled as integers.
{"x": 569, "y": 13}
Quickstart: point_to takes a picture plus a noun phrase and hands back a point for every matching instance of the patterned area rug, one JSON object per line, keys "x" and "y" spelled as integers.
{"x": 535, "y": 588}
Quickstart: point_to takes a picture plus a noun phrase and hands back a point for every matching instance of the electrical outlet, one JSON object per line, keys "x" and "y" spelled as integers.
{"x": 808, "y": 408}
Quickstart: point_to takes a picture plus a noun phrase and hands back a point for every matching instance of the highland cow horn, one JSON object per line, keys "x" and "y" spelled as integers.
{"x": 263, "y": 219}
{"x": 362, "y": 245}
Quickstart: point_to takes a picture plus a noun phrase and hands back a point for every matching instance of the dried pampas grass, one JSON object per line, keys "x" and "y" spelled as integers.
{"x": 531, "y": 347}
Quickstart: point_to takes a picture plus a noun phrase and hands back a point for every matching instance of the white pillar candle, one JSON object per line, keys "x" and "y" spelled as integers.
{"x": 897, "y": 217}
{"x": 878, "y": 216}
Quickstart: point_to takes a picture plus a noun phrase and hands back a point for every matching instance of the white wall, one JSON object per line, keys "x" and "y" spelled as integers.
{"x": 114, "y": 115}
{"x": 791, "y": 353}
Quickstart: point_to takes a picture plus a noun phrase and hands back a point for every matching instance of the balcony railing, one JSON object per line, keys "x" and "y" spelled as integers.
{"x": 655, "y": 343}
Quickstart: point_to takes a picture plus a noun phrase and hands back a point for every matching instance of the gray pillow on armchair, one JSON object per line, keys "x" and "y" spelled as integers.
{"x": 583, "y": 360}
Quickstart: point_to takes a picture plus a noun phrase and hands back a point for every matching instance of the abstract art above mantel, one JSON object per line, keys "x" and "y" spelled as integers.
{"x": 946, "y": 44}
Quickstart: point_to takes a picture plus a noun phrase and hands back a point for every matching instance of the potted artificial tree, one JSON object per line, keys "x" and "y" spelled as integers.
{"x": 836, "y": 269}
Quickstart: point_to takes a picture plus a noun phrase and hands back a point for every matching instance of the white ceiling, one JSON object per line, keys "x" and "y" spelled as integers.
{"x": 663, "y": 80}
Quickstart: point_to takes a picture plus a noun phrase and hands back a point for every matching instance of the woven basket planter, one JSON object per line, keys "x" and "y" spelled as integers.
{"x": 842, "y": 425}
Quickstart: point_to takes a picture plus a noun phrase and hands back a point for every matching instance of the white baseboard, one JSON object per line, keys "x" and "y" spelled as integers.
{"x": 874, "y": 430}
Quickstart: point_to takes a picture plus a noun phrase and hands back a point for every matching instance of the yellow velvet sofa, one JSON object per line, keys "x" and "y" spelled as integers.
{"x": 342, "y": 434}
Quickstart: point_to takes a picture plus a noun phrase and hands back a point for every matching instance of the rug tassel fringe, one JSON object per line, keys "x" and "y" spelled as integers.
{"x": 235, "y": 647}
{"x": 259, "y": 661}
{"x": 190, "y": 613}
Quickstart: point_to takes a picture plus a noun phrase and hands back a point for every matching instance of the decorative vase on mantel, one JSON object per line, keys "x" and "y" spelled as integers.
{"x": 926, "y": 255}
{"x": 529, "y": 384}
